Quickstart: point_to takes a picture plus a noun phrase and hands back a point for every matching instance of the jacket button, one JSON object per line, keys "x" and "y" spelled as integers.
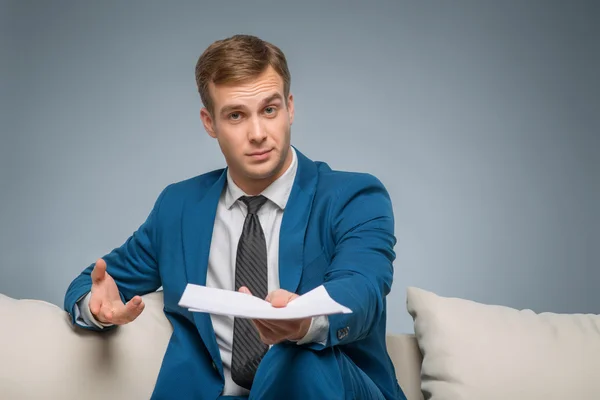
{"x": 342, "y": 333}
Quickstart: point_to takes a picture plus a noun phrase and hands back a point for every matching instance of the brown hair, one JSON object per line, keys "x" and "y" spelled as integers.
{"x": 238, "y": 59}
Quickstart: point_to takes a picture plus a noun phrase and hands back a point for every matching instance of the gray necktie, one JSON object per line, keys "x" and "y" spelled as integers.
{"x": 250, "y": 271}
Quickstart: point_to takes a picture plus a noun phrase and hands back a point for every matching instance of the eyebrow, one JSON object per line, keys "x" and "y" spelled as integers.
{"x": 232, "y": 107}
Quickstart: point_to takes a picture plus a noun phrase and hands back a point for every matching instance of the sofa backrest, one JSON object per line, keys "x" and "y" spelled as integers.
{"x": 42, "y": 356}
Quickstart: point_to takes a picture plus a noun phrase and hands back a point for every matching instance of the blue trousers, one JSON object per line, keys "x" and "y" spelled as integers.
{"x": 290, "y": 372}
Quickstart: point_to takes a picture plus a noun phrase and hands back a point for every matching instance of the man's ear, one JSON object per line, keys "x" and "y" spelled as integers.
{"x": 208, "y": 122}
{"x": 290, "y": 106}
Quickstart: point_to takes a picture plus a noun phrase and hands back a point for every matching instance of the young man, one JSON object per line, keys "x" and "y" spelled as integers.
{"x": 272, "y": 224}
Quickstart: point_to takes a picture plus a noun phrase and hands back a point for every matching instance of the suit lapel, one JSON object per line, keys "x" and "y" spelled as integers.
{"x": 198, "y": 222}
{"x": 294, "y": 223}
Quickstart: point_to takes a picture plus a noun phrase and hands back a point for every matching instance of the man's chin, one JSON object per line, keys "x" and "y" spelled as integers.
{"x": 259, "y": 175}
{"x": 263, "y": 171}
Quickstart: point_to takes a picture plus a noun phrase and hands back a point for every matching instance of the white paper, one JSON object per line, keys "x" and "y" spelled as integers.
{"x": 198, "y": 298}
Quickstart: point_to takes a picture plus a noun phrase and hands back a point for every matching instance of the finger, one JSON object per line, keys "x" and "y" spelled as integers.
{"x": 98, "y": 271}
{"x": 95, "y": 303}
{"x": 267, "y": 335}
{"x": 245, "y": 290}
{"x": 106, "y": 314}
{"x": 281, "y": 328}
{"x": 280, "y": 298}
{"x": 133, "y": 309}
{"x": 121, "y": 314}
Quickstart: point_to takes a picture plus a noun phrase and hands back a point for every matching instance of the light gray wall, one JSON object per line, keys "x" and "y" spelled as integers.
{"x": 482, "y": 118}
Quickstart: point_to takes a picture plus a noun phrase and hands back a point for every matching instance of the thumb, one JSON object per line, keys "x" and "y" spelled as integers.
{"x": 280, "y": 298}
{"x": 99, "y": 271}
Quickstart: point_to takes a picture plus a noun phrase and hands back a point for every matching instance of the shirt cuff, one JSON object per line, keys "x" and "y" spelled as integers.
{"x": 83, "y": 315}
{"x": 317, "y": 332}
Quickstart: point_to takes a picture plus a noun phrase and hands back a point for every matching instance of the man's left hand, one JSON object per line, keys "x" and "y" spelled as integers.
{"x": 275, "y": 331}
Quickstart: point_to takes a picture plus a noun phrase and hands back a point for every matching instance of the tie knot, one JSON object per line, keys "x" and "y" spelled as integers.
{"x": 254, "y": 203}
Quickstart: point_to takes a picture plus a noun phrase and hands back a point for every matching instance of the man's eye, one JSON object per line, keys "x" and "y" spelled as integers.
{"x": 270, "y": 110}
{"x": 234, "y": 116}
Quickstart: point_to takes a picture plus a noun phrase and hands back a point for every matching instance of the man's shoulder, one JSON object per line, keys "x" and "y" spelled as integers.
{"x": 193, "y": 187}
{"x": 331, "y": 180}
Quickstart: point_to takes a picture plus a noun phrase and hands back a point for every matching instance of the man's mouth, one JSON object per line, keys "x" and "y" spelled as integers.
{"x": 259, "y": 153}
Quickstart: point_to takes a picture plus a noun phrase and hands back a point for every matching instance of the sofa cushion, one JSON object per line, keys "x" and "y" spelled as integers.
{"x": 42, "y": 356}
{"x": 477, "y": 351}
{"x": 406, "y": 357}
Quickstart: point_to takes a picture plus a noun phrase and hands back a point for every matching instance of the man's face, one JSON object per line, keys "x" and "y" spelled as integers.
{"x": 252, "y": 125}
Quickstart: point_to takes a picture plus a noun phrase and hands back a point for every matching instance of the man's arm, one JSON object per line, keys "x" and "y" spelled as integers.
{"x": 133, "y": 266}
{"x": 359, "y": 276}
{"x": 361, "y": 272}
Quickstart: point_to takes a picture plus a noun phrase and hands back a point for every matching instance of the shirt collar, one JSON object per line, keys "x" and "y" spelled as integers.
{"x": 278, "y": 192}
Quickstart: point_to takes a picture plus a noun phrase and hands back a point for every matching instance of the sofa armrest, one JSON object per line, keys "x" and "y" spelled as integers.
{"x": 43, "y": 356}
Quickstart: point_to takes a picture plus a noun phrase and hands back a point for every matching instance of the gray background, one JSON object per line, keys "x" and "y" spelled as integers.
{"x": 482, "y": 119}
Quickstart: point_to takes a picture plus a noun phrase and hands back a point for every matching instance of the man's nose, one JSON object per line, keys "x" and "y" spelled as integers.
{"x": 256, "y": 131}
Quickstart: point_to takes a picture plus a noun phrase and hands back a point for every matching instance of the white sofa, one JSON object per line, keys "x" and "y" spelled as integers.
{"x": 461, "y": 350}
{"x": 43, "y": 357}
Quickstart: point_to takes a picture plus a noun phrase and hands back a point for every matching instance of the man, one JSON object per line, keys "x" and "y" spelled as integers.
{"x": 272, "y": 224}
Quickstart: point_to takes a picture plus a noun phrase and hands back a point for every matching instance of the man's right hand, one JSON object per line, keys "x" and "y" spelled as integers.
{"x": 105, "y": 302}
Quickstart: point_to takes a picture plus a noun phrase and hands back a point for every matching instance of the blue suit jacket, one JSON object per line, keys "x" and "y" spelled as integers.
{"x": 337, "y": 230}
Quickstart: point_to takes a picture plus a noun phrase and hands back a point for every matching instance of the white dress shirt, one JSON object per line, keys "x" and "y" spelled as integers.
{"x": 228, "y": 225}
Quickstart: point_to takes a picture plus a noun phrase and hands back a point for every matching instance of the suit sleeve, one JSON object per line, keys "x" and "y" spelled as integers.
{"x": 361, "y": 272}
{"x": 133, "y": 266}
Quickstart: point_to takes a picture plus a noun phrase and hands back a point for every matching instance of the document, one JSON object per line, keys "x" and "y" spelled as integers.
{"x": 198, "y": 298}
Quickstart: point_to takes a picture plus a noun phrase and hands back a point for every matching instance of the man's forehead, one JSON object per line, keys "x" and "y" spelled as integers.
{"x": 236, "y": 98}
{"x": 257, "y": 91}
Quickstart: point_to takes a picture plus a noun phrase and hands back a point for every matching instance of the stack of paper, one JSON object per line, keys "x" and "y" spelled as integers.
{"x": 226, "y": 302}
